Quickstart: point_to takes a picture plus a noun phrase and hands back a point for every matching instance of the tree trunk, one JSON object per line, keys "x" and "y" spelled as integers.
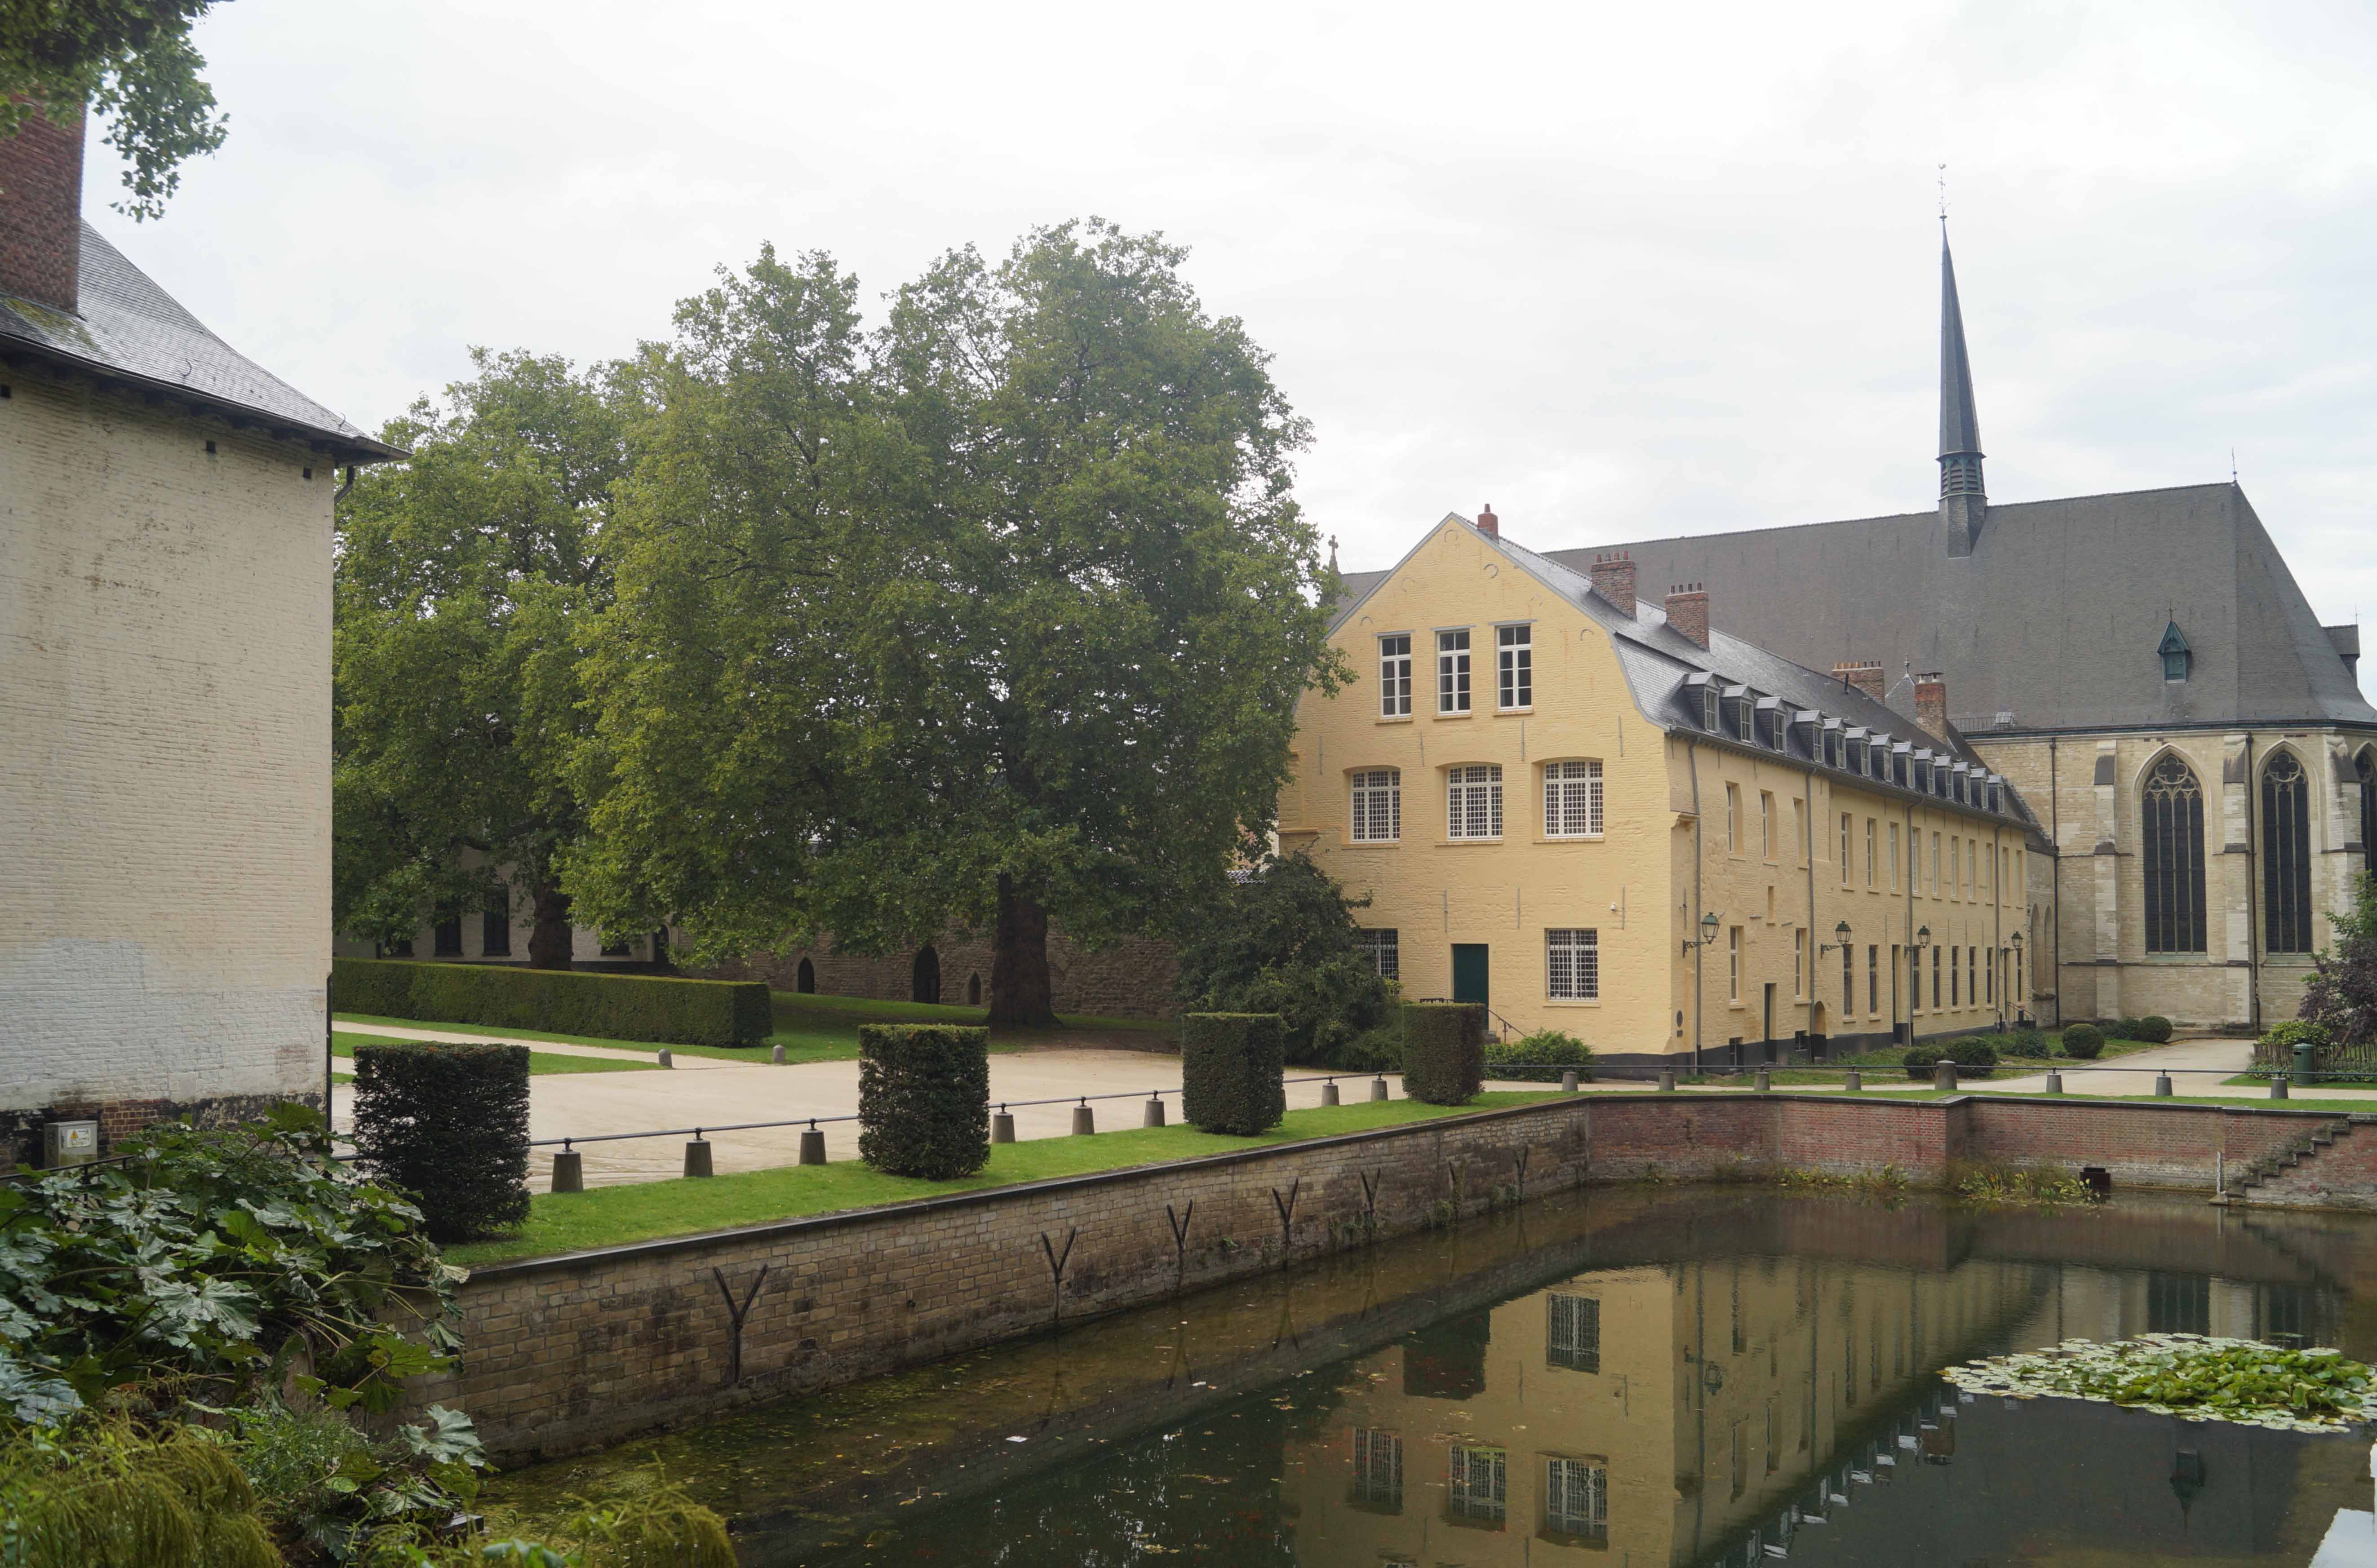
{"x": 1019, "y": 962}
{"x": 549, "y": 943}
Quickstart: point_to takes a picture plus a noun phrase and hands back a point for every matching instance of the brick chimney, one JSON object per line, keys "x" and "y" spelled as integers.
{"x": 1862, "y": 674}
{"x": 1931, "y": 704}
{"x": 1612, "y": 579}
{"x": 40, "y": 211}
{"x": 1488, "y": 523}
{"x": 1688, "y": 611}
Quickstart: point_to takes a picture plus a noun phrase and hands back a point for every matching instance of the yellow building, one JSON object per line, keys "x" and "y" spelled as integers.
{"x": 1606, "y": 817}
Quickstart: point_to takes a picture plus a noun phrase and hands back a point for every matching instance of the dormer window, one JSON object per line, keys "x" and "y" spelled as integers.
{"x": 1853, "y": 748}
{"x": 1744, "y": 703}
{"x": 2176, "y": 655}
{"x": 1831, "y": 734}
{"x": 1923, "y": 771}
{"x": 1878, "y": 755}
{"x": 1996, "y": 798}
{"x": 1963, "y": 786}
{"x": 1700, "y": 694}
{"x": 1901, "y": 760}
{"x": 1770, "y": 722}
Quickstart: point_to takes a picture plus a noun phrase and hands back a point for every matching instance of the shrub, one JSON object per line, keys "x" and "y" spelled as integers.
{"x": 2084, "y": 1041}
{"x": 1378, "y": 1049}
{"x": 1444, "y": 1051}
{"x": 107, "y": 1494}
{"x": 449, "y": 1123}
{"x": 1976, "y": 1059}
{"x": 2154, "y": 1029}
{"x": 2275, "y": 1049}
{"x": 2026, "y": 1042}
{"x": 1286, "y": 942}
{"x": 559, "y": 1002}
{"x": 2342, "y": 995}
{"x": 1230, "y": 1067}
{"x": 1539, "y": 1058}
{"x": 924, "y": 1098}
{"x": 2123, "y": 1029}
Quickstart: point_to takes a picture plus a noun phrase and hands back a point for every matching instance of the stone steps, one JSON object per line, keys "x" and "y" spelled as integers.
{"x": 2299, "y": 1153}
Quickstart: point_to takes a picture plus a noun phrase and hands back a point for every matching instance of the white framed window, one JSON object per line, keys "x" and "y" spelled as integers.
{"x": 1572, "y": 1331}
{"x": 1515, "y": 666}
{"x": 1845, "y": 820}
{"x": 1572, "y": 966}
{"x": 1800, "y": 842}
{"x": 1377, "y": 806}
{"x": 1571, "y": 799}
{"x": 1479, "y": 1488}
{"x": 1377, "y": 1468}
{"x": 1733, "y": 818}
{"x": 1894, "y": 858}
{"x": 1473, "y": 801}
{"x": 1800, "y": 962}
{"x": 1384, "y": 946}
{"x": 1452, "y": 672}
{"x": 1733, "y": 962}
{"x": 1746, "y": 717}
{"x": 1394, "y": 677}
{"x": 1766, "y": 845}
{"x": 1576, "y": 1498}
{"x": 1869, "y": 861}
{"x": 1709, "y": 708}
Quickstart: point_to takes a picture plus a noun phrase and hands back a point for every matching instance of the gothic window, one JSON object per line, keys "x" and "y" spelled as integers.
{"x": 2172, "y": 850}
{"x": 2285, "y": 853}
{"x": 2366, "y": 766}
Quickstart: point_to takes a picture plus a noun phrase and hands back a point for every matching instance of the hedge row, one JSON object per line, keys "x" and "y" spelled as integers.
{"x": 924, "y": 1099}
{"x": 1231, "y": 1067}
{"x": 560, "y": 1002}
{"x": 1444, "y": 1051}
{"x": 450, "y": 1124}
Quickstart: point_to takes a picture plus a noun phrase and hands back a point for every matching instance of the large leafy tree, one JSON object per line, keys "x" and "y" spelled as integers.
{"x": 1286, "y": 943}
{"x": 467, "y": 578}
{"x": 2342, "y": 998}
{"x": 133, "y": 61}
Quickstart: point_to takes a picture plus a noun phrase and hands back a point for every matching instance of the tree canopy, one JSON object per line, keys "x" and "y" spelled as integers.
{"x": 2342, "y": 997}
{"x": 133, "y": 61}
{"x": 1286, "y": 942}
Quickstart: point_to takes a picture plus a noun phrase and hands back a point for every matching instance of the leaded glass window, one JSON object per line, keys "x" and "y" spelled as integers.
{"x": 1377, "y": 806}
{"x": 1474, "y": 801}
{"x": 1479, "y": 1488}
{"x": 2285, "y": 853}
{"x": 1572, "y": 966}
{"x": 1576, "y": 1498}
{"x": 1571, "y": 799}
{"x": 1573, "y": 1332}
{"x": 1383, "y": 945}
{"x": 2172, "y": 849}
{"x": 1378, "y": 1469}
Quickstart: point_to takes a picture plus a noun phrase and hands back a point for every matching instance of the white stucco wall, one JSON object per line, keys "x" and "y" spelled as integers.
{"x": 164, "y": 753}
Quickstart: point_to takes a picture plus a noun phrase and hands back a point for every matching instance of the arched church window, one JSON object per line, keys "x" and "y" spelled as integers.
{"x": 2172, "y": 849}
{"x": 2366, "y": 766}
{"x": 2286, "y": 853}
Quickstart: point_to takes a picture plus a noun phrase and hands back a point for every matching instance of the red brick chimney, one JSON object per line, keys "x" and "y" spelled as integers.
{"x": 1862, "y": 674}
{"x": 1612, "y": 579}
{"x": 40, "y": 211}
{"x": 1688, "y": 611}
{"x": 1931, "y": 704}
{"x": 1488, "y": 523}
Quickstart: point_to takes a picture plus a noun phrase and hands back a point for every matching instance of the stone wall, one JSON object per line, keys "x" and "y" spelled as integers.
{"x": 565, "y": 1354}
{"x": 1132, "y": 978}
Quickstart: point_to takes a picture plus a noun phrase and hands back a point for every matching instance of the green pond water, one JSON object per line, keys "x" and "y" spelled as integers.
{"x": 1635, "y": 1378}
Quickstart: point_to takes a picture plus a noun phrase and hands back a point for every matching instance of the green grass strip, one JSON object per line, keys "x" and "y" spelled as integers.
{"x": 607, "y": 1216}
{"x": 343, "y": 1044}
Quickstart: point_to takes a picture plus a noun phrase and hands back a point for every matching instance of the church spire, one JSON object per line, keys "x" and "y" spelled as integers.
{"x": 1964, "y": 501}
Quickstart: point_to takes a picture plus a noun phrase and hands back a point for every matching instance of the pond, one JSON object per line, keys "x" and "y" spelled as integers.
{"x": 1635, "y": 1378}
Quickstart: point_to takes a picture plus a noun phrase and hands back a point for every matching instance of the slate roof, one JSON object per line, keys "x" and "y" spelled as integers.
{"x": 2052, "y": 622}
{"x": 131, "y": 332}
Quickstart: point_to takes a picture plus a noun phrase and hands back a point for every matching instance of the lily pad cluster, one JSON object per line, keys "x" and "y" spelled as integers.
{"x": 2192, "y": 1376}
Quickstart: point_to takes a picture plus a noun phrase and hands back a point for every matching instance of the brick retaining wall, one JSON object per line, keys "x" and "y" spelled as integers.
{"x": 569, "y": 1353}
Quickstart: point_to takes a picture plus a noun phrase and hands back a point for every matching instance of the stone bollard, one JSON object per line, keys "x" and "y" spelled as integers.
{"x": 666, "y": 1060}
{"x": 1765, "y": 1081}
{"x": 1002, "y": 1128}
{"x": 697, "y": 1157}
{"x": 2162, "y": 1084}
{"x": 1154, "y": 1116}
{"x": 1567, "y": 1082}
{"x": 1329, "y": 1093}
{"x": 1853, "y": 1082}
{"x": 813, "y": 1146}
{"x": 2277, "y": 1085}
{"x": 1943, "y": 1076}
{"x": 2055, "y": 1083}
{"x": 569, "y": 1171}
{"x": 776, "y": 1055}
{"x": 1378, "y": 1087}
{"x": 1666, "y": 1080}
{"x": 1084, "y": 1122}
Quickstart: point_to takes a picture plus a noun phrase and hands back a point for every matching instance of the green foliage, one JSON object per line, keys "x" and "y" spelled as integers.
{"x": 611, "y": 1007}
{"x": 207, "y": 1258}
{"x": 1539, "y": 1058}
{"x": 467, "y": 576}
{"x": 132, "y": 60}
{"x": 2154, "y": 1029}
{"x": 2342, "y": 997}
{"x": 1444, "y": 1051}
{"x": 348, "y": 1496}
{"x": 2028, "y": 1042}
{"x": 2233, "y": 1380}
{"x": 449, "y": 1123}
{"x": 105, "y": 1494}
{"x": 1284, "y": 942}
{"x": 1994, "y": 1183}
{"x": 1230, "y": 1067}
{"x": 2084, "y": 1041}
{"x": 1974, "y": 1058}
{"x": 924, "y": 1099}
{"x": 1376, "y": 1049}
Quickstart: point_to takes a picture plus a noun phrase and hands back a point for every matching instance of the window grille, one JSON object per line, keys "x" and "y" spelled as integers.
{"x": 1571, "y": 799}
{"x": 1572, "y": 964}
{"x": 1452, "y": 672}
{"x": 1394, "y": 677}
{"x": 1384, "y": 947}
{"x": 1573, "y": 1332}
{"x": 1377, "y": 806}
{"x": 1514, "y": 665}
{"x": 2285, "y": 853}
{"x": 2173, "y": 810}
{"x": 1474, "y": 801}
{"x": 1479, "y": 1487}
{"x": 1576, "y": 1498}
{"x": 1378, "y": 1469}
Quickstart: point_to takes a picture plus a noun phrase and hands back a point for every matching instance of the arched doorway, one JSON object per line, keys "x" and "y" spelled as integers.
{"x": 974, "y": 989}
{"x": 924, "y": 978}
{"x": 804, "y": 982}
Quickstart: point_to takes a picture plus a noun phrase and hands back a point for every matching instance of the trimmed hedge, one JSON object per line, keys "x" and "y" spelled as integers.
{"x": 1231, "y": 1067}
{"x": 2084, "y": 1041}
{"x": 1974, "y": 1058}
{"x": 559, "y": 1002}
{"x": 924, "y": 1098}
{"x": 2154, "y": 1029}
{"x": 450, "y": 1124}
{"x": 1444, "y": 1051}
{"x": 1539, "y": 1058}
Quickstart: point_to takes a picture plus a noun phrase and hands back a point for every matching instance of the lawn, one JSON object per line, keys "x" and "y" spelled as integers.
{"x": 343, "y": 1044}
{"x": 570, "y": 1222}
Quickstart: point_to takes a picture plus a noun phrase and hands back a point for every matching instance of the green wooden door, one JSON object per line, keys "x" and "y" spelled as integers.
{"x": 1469, "y": 973}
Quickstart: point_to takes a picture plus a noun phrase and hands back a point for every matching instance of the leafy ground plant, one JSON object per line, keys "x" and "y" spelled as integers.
{"x": 2191, "y": 1376}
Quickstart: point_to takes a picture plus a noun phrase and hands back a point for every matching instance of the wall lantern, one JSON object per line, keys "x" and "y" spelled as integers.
{"x": 1842, "y": 931}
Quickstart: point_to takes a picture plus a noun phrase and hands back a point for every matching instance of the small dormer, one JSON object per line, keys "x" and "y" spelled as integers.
{"x": 2176, "y": 655}
{"x": 1923, "y": 770}
{"x": 1768, "y": 729}
{"x": 1877, "y": 753}
{"x": 1829, "y": 744}
{"x": 1902, "y": 762}
{"x": 1738, "y": 701}
{"x": 1997, "y": 793}
{"x": 1701, "y": 697}
{"x": 1854, "y": 742}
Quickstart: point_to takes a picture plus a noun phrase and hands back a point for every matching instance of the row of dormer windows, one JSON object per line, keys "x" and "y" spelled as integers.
{"x": 1741, "y": 712}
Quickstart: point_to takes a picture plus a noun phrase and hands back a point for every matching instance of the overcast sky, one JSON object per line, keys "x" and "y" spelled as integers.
{"x": 1620, "y": 270}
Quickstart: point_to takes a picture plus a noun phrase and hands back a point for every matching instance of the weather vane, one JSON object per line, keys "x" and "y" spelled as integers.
{"x": 1943, "y": 195}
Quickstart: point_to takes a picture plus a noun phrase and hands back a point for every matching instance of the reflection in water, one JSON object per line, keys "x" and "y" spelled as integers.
{"x": 1640, "y": 1378}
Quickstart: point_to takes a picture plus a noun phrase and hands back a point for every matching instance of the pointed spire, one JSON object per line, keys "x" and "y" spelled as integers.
{"x": 1964, "y": 499}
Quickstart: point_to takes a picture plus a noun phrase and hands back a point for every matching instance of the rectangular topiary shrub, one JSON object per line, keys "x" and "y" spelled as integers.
{"x": 559, "y": 1002}
{"x": 1231, "y": 1067}
{"x": 450, "y": 1124}
{"x": 924, "y": 1098}
{"x": 1444, "y": 1051}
